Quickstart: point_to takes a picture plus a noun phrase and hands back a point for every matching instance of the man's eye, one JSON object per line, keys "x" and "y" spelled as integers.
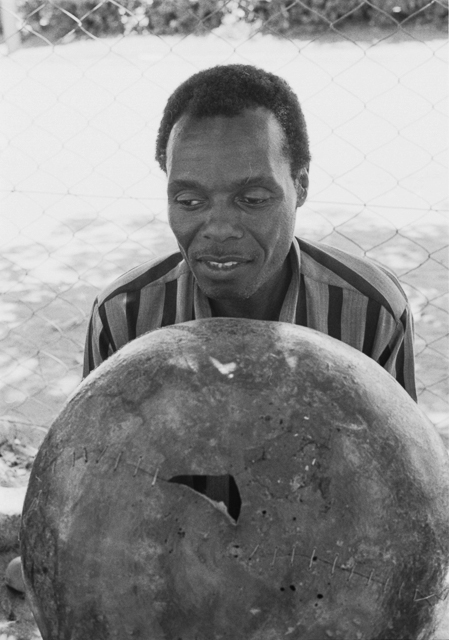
{"x": 252, "y": 200}
{"x": 188, "y": 202}
{"x": 254, "y": 197}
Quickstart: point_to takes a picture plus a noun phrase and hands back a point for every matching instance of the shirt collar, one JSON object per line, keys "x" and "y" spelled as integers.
{"x": 288, "y": 310}
{"x": 290, "y": 304}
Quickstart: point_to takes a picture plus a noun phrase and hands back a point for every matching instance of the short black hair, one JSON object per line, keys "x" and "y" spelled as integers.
{"x": 226, "y": 90}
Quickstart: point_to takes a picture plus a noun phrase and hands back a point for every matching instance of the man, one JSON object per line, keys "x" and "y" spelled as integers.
{"x": 234, "y": 145}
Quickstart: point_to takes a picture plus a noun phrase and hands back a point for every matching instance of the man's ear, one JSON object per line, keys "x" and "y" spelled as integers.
{"x": 302, "y": 185}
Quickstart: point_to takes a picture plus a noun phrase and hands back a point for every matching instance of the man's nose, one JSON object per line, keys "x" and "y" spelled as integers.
{"x": 223, "y": 222}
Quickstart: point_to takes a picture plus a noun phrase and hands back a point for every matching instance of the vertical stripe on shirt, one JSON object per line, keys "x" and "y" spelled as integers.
{"x": 400, "y": 365}
{"x": 132, "y": 306}
{"x": 169, "y": 312}
{"x": 371, "y": 324}
{"x": 334, "y": 311}
{"x": 317, "y": 306}
{"x": 106, "y": 340}
{"x": 184, "y": 298}
{"x": 89, "y": 345}
{"x": 384, "y": 356}
{"x": 301, "y": 309}
{"x": 150, "y": 308}
{"x": 353, "y": 318}
{"x": 103, "y": 343}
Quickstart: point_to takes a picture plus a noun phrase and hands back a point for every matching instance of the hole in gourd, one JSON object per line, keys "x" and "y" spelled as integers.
{"x": 218, "y": 488}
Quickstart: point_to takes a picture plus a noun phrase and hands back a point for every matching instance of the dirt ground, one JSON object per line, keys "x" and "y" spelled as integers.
{"x": 16, "y": 619}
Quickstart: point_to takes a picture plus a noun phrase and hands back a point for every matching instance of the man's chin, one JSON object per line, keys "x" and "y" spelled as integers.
{"x": 224, "y": 291}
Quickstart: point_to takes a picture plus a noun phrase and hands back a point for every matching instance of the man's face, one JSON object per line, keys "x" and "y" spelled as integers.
{"x": 232, "y": 201}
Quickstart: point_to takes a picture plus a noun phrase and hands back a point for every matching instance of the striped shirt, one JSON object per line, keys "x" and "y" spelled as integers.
{"x": 344, "y": 296}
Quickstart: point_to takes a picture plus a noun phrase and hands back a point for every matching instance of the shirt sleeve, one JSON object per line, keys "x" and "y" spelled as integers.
{"x": 99, "y": 345}
{"x": 398, "y": 357}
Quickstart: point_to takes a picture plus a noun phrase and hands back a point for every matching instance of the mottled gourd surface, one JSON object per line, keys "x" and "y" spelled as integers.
{"x": 229, "y": 479}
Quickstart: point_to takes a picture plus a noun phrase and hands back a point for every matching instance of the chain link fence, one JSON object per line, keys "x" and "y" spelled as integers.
{"x": 83, "y": 85}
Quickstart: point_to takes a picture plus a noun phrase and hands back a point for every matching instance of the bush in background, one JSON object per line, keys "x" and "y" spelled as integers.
{"x": 290, "y": 16}
{"x": 63, "y": 20}
{"x": 58, "y": 20}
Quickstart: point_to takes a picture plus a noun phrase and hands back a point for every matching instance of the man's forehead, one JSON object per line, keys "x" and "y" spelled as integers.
{"x": 254, "y": 126}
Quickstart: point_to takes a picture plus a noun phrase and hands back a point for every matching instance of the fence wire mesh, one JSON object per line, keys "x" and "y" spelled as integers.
{"x": 83, "y": 86}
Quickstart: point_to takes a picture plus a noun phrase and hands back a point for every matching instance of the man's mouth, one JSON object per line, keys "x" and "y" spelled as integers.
{"x": 225, "y": 263}
{"x": 221, "y": 266}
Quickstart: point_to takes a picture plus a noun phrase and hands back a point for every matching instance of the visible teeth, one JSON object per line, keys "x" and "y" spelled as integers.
{"x": 221, "y": 265}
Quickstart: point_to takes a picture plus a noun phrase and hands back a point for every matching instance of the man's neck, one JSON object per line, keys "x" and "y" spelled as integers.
{"x": 265, "y": 304}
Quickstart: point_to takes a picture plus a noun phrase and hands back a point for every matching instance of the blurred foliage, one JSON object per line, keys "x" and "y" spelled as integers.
{"x": 285, "y": 16}
{"x": 65, "y": 20}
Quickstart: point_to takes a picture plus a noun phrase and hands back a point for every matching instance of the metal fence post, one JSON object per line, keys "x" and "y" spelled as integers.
{"x": 11, "y": 34}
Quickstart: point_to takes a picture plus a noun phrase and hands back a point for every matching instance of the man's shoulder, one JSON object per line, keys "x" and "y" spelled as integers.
{"x": 361, "y": 275}
{"x": 158, "y": 271}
